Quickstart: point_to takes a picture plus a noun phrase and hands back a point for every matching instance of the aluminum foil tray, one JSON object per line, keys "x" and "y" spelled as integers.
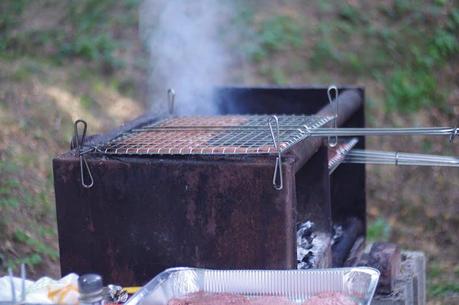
{"x": 298, "y": 285}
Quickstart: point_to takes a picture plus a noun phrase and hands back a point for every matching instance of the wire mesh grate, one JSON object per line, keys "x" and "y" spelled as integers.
{"x": 213, "y": 135}
{"x": 337, "y": 154}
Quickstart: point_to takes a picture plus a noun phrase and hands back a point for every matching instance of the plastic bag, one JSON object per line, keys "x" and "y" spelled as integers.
{"x": 44, "y": 291}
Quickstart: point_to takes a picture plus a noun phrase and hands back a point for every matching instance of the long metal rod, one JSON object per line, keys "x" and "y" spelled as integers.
{"x": 431, "y": 131}
{"x": 397, "y": 158}
{"x": 216, "y": 128}
{"x": 321, "y": 132}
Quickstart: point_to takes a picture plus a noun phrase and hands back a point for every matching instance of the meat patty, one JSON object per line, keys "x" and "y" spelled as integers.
{"x": 330, "y": 298}
{"x": 270, "y": 300}
{"x": 205, "y": 298}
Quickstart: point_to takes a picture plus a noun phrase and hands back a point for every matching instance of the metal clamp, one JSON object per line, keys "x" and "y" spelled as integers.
{"x": 453, "y": 134}
{"x": 278, "y": 182}
{"x": 171, "y": 100}
{"x": 334, "y": 142}
{"x": 396, "y": 155}
{"x": 79, "y": 153}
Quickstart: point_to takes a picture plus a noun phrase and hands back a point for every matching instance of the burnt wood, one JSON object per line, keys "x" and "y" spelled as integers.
{"x": 352, "y": 230}
{"x": 386, "y": 258}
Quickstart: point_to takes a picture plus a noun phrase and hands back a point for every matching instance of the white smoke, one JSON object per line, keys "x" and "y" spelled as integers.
{"x": 184, "y": 38}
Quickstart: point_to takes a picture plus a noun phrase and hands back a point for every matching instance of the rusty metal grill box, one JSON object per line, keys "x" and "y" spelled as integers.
{"x": 150, "y": 211}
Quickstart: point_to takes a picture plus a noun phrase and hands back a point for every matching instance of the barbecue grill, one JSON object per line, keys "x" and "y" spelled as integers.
{"x": 226, "y": 191}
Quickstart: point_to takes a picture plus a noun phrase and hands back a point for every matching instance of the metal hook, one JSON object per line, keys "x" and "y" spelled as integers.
{"x": 278, "y": 182}
{"x": 453, "y": 134}
{"x": 334, "y": 142}
{"x": 76, "y": 136}
{"x": 171, "y": 100}
{"x": 83, "y": 163}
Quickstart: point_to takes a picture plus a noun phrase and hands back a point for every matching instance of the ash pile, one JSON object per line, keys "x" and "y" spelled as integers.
{"x": 312, "y": 245}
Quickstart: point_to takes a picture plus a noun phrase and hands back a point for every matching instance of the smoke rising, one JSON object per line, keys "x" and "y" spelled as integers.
{"x": 184, "y": 39}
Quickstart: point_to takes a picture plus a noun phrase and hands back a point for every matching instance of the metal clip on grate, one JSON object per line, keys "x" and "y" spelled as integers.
{"x": 171, "y": 100}
{"x": 453, "y": 134}
{"x": 333, "y": 88}
{"x": 79, "y": 153}
{"x": 278, "y": 167}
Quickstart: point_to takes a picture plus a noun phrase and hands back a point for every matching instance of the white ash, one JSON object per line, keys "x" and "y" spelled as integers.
{"x": 310, "y": 245}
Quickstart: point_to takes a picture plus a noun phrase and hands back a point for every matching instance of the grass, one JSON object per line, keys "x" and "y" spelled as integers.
{"x": 378, "y": 230}
{"x": 15, "y": 199}
{"x": 87, "y": 34}
{"x": 407, "y": 70}
{"x": 438, "y": 285}
{"x": 9, "y": 186}
{"x": 275, "y": 35}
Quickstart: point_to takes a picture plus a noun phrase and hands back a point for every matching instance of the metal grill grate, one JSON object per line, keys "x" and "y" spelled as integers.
{"x": 337, "y": 154}
{"x": 211, "y": 135}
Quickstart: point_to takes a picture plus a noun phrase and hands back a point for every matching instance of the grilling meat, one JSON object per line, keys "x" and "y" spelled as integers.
{"x": 330, "y": 298}
{"x": 270, "y": 300}
{"x": 204, "y": 298}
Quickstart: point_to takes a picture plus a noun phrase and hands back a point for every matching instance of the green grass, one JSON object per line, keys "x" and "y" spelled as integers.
{"x": 86, "y": 102}
{"x": 405, "y": 55}
{"x": 87, "y": 32}
{"x": 378, "y": 230}
{"x": 9, "y": 186}
{"x": 15, "y": 198}
{"x": 438, "y": 285}
{"x": 38, "y": 247}
{"x": 443, "y": 289}
{"x": 274, "y": 35}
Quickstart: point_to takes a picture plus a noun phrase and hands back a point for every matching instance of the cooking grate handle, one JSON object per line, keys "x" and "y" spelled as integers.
{"x": 360, "y": 156}
{"x": 427, "y": 131}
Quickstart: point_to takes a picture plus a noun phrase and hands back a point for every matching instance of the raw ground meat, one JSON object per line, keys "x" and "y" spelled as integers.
{"x": 205, "y": 298}
{"x": 270, "y": 300}
{"x": 330, "y": 298}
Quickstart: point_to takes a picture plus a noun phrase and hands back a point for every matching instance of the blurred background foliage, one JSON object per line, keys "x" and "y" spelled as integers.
{"x": 60, "y": 60}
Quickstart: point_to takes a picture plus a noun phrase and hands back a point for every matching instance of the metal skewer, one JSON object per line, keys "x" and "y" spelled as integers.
{"x": 324, "y": 132}
{"x": 397, "y": 158}
{"x": 430, "y": 131}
